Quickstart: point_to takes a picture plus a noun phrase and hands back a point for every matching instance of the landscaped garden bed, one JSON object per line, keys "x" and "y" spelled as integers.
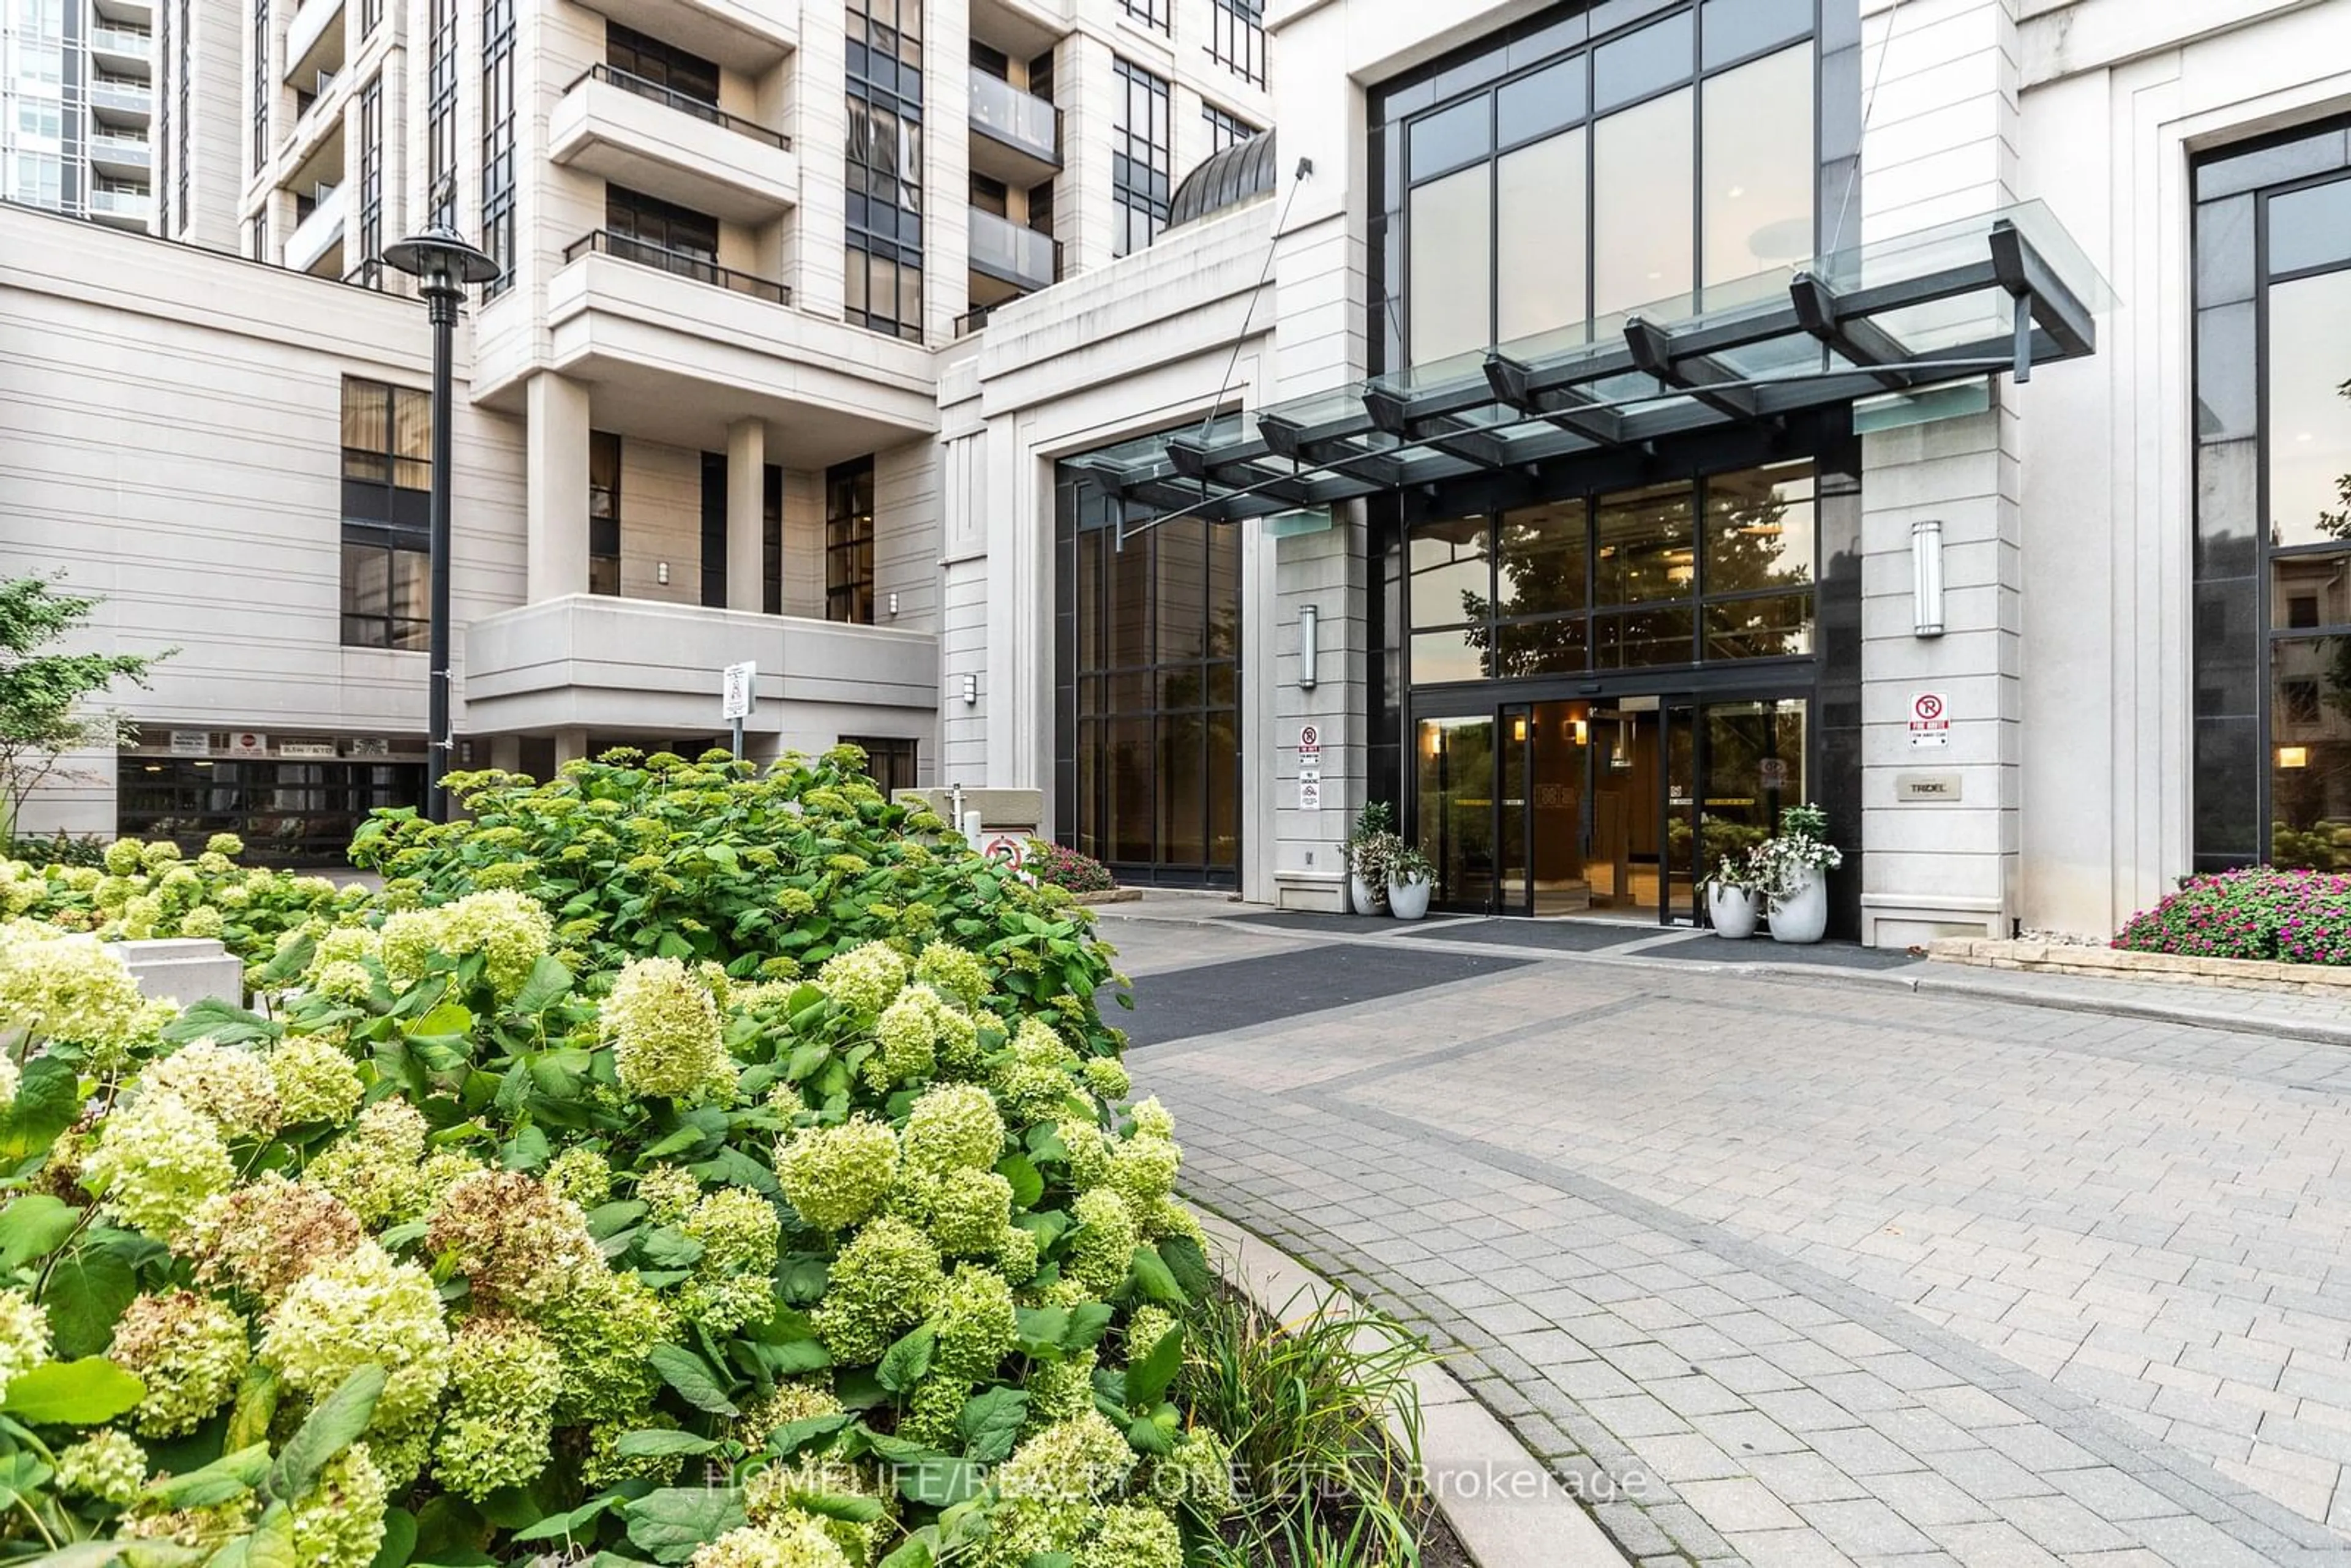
{"x": 674, "y": 1163}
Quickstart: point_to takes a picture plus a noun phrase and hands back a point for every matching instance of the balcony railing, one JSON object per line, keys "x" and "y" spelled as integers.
{"x": 1017, "y": 119}
{"x": 1005, "y": 251}
{"x": 125, "y": 41}
{"x": 684, "y": 103}
{"x": 604, "y": 242}
{"x": 122, "y": 204}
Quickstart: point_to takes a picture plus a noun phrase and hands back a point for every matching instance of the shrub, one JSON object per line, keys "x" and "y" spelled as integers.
{"x": 1056, "y": 866}
{"x": 2296, "y": 917}
{"x": 61, "y": 849}
{"x": 465, "y": 1253}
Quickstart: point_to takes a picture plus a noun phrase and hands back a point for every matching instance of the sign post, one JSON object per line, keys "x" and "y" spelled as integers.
{"x": 736, "y": 701}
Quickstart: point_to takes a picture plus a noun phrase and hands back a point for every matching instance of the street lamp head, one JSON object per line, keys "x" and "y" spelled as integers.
{"x": 442, "y": 260}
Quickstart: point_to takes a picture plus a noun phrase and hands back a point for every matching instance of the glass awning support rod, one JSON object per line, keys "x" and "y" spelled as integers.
{"x": 1822, "y": 314}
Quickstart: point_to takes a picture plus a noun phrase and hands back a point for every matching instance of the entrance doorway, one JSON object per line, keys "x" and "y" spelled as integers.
{"x": 1610, "y": 807}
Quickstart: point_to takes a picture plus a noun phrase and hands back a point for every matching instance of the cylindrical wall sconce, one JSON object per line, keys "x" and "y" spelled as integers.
{"x": 1927, "y": 577}
{"x": 1310, "y": 644}
{"x": 970, "y": 690}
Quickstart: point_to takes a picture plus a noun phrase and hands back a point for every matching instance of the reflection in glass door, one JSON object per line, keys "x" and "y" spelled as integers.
{"x": 1455, "y": 762}
{"x": 1754, "y": 768}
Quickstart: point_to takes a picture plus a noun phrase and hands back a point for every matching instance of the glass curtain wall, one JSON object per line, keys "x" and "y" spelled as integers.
{"x": 2273, "y": 558}
{"x": 1147, "y": 742}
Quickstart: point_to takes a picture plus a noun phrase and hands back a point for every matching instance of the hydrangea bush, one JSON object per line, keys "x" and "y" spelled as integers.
{"x": 1056, "y": 866}
{"x": 2295, "y": 917}
{"x": 516, "y": 1230}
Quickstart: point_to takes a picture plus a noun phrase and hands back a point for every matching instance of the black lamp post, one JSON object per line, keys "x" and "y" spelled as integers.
{"x": 445, "y": 266}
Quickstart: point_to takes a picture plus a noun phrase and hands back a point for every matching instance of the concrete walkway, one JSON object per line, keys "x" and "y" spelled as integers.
{"x": 1813, "y": 1270}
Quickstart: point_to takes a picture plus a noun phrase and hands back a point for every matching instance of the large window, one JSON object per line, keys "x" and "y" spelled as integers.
{"x": 649, "y": 223}
{"x": 849, "y": 542}
{"x": 370, "y": 271}
{"x": 2273, "y": 621}
{"x": 1723, "y": 569}
{"x": 889, "y": 760}
{"x": 387, "y": 515}
{"x": 288, "y": 813}
{"x": 1566, "y": 175}
{"x": 883, "y": 167}
{"x": 1148, "y": 769}
{"x": 1236, "y": 38}
{"x": 1225, "y": 130}
{"x": 1155, "y": 14}
{"x": 603, "y": 512}
{"x": 650, "y": 60}
{"x": 440, "y": 115}
{"x": 498, "y": 138}
{"x": 263, "y": 89}
{"x": 1141, "y": 157}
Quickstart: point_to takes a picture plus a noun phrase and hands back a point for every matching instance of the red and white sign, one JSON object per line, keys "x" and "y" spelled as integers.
{"x": 1931, "y": 720}
{"x": 246, "y": 743}
{"x": 1009, "y": 849}
{"x": 1310, "y": 742}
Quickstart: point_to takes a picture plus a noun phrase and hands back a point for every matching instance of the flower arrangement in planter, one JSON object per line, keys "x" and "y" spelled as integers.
{"x": 599, "y": 1196}
{"x": 1735, "y": 895}
{"x": 1791, "y": 868}
{"x": 2259, "y": 912}
{"x": 1410, "y": 879}
{"x": 1368, "y": 847}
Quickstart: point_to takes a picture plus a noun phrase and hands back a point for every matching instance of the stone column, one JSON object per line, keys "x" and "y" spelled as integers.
{"x": 556, "y": 470}
{"x": 747, "y": 492}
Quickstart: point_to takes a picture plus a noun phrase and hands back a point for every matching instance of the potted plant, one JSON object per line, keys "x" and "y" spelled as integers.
{"x": 1410, "y": 881}
{"x": 1367, "y": 876}
{"x": 1734, "y": 897}
{"x": 1794, "y": 865}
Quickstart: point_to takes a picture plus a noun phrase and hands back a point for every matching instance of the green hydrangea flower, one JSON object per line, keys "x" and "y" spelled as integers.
{"x": 1106, "y": 1077}
{"x": 507, "y": 927}
{"x": 348, "y": 983}
{"x": 801, "y": 1543}
{"x": 1102, "y": 1249}
{"x": 864, "y": 979}
{"x": 931, "y": 1415}
{"x": 107, "y": 1467}
{"x": 668, "y": 1192}
{"x": 339, "y": 1522}
{"x": 976, "y": 1325}
{"x": 734, "y": 1280}
{"x": 504, "y": 1377}
{"x": 1061, "y": 1390}
{"x": 230, "y": 1085}
{"x": 954, "y": 973}
{"x": 1142, "y": 1171}
{"x": 884, "y": 1282}
{"x": 157, "y": 855}
{"x": 1052, "y": 1485}
{"x": 191, "y": 1353}
{"x": 262, "y": 1237}
{"x": 315, "y": 1080}
{"x": 519, "y": 1246}
{"x": 1087, "y": 1160}
{"x": 1146, "y": 1328}
{"x": 779, "y": 1495}
{"x": 603, "y": 1330}
{"x": 836, "y": 1177}
{"x": 606, "y": 1466}
{"x": 203, "y": 924}
{"x": 667, "y": 1038}
{"x": 954, "y": 1126}
{"x": 362, "y": 1307}
{"x": 23, "y": 1336}
{"x": 582, "y": 1175}
{"x": 69, "y": 990}
{"x": 227, "y": 844}
{"x": 1170, "y": 1217}
{"x": 122, "y": 857}
{"x": 10, "y": 1077}
{"x": 1017, "y": 1254}
{"x": 967, "y": 1212}
{"x": 788, "y": 1403}
{"x": 1032, "y": 1076}
{"x": 907, "y": 1034}
{"x": 1196, "y": 1477}
{"x": 346, "y": 945}
{"x": 1152, "y": 1120}
{"x": 157, "y": 1161}
{"x": 377, "y": 1165}
{"x": 1132, "y": 1535}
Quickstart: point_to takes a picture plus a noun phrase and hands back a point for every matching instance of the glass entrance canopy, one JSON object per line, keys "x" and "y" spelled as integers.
{"x": 1999, "y": 294}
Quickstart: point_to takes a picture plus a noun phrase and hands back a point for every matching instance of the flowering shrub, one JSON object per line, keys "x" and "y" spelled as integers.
{"x": 2297, "y": 916}
{"x": 1056, "y": 866}
{"x": 499, "y": 1223}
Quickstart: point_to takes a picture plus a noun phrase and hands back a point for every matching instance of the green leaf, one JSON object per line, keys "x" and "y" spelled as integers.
{"x": 398, "y": 1538}
{"x": 1148, "y": 1275}
{"x": 990, "y": 1423}
{"x": 794, "y": 1436}
{"x": 914, "y": 1552}
{"x": 1088, "y": 1320}
{"x": 847, "y": 1507}
{"x": 1041, "y": 1330}
{"x": 549, "y": 984}
{"x": 34, "y": 1227}
{"x": 658, "y": 1443}
{"x": 226, "y": 1478}
{"x": 526, "y": 1151}
{"x": 806, "y": 1058}
{"x": 566, "y": 1524}
{"x": 271, "y": 1544}
{"x": 1147, "y": 1376}
{"x": 1189, "y": 1265}
{"x": 666, "y": 1246}
{"x": 221, "y": 1021}
{"x": 1149, "y": 1435}
{"x": 940, "y": 1483}
{"x": 903, "y": 1363}
{"x": 606, "y": 1218}
{"x": 331, "y": 1426}
{"x": 672, "y": 1522}
{"x": 791, "y": 1360}
{"x": 87, "y": 1292}
{"x": 256, "y": 1406}
{"x": 22, "y": 1475}
{"x": 804, "y": 1278}
{"x": 450, "y": 1020}
{"x": 1027, "y": 1187}
{"x": 48, "y": 1097}
{"x": 85, "y": 1392}
{"x": 692, "y": 1377}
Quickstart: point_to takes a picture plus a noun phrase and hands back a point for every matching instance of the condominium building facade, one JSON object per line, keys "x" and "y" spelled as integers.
{"x": 78, "y": 108}
{"x": 1589, "y": 429}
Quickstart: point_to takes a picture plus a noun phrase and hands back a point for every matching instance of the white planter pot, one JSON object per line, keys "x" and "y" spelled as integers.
{"x": 1408, "y": 900}
{"x": 1733, "y": 912}
{"x": 1369, "y": 897}
{"x": 1803, "y": 915}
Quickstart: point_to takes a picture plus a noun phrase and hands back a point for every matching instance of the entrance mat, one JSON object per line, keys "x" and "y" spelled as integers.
{"x": 1763, "y": 950}
{"x": 1565, "y": 936}
{"x": 1314, "y": 920}
{"x": 1176, "y": 1004}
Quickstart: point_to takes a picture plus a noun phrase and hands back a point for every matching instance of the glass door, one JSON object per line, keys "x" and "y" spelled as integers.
{"x": 1454, "y": 761}
{"x": 1754, "y": 761}
{"x": 1514, "y": 848}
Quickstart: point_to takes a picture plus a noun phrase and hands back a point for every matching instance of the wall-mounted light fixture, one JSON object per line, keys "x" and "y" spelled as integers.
{"x": 1927, "y": 577}
{"x": 661, "y": 574}
{"x": 970, "y": 690}
{"x": 894, "y": 607}
{"x": 1310, "y": 644}
{"x": 2293, "y": 756}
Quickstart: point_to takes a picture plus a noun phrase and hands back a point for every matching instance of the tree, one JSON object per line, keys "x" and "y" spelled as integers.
{"x": 43, "y": 694}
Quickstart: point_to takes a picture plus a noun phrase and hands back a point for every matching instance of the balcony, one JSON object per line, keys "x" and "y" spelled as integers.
{"x": 639, "y": 666}
{"x": 747, "y": 35}
{"x": 1003, "y": 252}
{"x": 645, "y": 136}
{"x": 122, "y": 100}
{"x": 315, "y": 246}
{"x": 138, "y": 15}
{"x": 128, "y": 51}
{"x": 121, "y": 156}
{"x": 1016, "y": 136}
{"x": 640, "y": 252}
{"x": 314, "y": 43}
{"x": 122, "y": 209}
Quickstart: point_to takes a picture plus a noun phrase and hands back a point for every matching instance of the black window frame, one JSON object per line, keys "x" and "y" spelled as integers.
{"x": 1142, "y": 160}
{"x": 386, "y": 491}
{"x": 883, "y": 155}
{"x": 1156, "y": 14}
{"x": 664, "y": 225}
{"x": 606, "y": 454}
{"x": 263, "y": 86}
{"x": 849, "y": 542}
{"x": 663, "y": 63}
{"x": 441, "y": 114}
{"x": 1226, "y": 129}
{"x": 369, "y": 273}
{"x": 891, "y": 761}
{"x": 1236, "y": 38}
{"x": 498, "y": 140}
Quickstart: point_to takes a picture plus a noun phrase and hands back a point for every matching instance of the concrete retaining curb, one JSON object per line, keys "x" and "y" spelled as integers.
{"x": 1507, "y": 1509}
{"x": 2106, "y": 963}
{"x": 182, "y": 969}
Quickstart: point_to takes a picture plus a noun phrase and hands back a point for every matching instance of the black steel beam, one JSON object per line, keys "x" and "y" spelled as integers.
{"x": 1655, "y": 353}
{"x": 1863, "y": 341}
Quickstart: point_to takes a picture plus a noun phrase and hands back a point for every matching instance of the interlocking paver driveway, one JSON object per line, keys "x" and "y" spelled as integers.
{"x": 1795, "y": 1272}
